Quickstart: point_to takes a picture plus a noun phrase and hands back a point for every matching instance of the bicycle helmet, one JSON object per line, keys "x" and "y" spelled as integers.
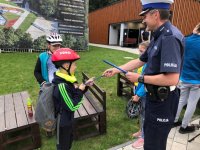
{"x": 63, "y": 55}
{"x": 54, "y": 38}
{"x": 133, "y": 109}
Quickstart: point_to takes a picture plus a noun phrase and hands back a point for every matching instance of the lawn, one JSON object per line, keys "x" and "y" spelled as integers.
{"x": 27, "y": 22}
{"x": 11, "y": 16}
{"x": 17, "y": 75}
{"x": 6, "y": 2}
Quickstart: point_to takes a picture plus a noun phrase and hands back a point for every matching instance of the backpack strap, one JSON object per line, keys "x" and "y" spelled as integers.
{"x": 68, "y": 101}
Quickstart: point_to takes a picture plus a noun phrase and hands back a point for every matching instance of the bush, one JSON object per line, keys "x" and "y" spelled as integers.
{"x": 11, "y": 38}
{"x": 40, "y": 43}
{"x": 69, "y": 41}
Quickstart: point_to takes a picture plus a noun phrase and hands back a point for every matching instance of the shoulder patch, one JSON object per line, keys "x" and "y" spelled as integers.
{"x": 168, "y": 32}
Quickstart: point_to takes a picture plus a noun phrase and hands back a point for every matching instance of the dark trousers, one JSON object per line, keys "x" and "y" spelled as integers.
{"x": 159, "y": 118}
{"x": 64, "y": 136}
{"x": 156, "y": 136}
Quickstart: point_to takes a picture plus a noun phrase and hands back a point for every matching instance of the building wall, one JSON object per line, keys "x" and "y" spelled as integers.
{"x": 185, "y": 17}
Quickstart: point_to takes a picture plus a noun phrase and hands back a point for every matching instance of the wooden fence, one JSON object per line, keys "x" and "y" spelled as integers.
{"x": 21, "y": 50}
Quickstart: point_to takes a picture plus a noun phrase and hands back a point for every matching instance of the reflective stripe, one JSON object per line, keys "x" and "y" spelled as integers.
{"x": 64, "y": 97}
{"x": 67, "y": 99}
{"x": 67, "y": 102}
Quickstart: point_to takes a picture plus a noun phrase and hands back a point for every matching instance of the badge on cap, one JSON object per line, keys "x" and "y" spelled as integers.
{"x": 148, "y": 5}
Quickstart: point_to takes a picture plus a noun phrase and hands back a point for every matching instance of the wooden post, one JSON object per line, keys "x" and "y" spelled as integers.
{"x": 102, "y": 123}
{"x": 1, "y": 142}
{"x": 35, "y": 132}
{"x": 119, "y": 85}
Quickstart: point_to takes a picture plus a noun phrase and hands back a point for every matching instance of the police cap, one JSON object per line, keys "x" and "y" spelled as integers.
{"x": 148, "y": 5}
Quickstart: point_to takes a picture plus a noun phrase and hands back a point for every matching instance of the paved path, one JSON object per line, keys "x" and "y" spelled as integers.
{"x": 41, "y": 27}
{"x": 130, "y": 50}
{"x": 176, "y": 141}
{"x": 21, "y": 19}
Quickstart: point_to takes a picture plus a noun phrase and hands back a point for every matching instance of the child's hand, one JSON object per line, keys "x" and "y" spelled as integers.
{"x": 90, "y": 81}
{"x": 82, "y": 87}
{"x": 135, "y": 98}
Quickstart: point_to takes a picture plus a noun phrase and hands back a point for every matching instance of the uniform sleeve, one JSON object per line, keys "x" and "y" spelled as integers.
{"x": 170, "y": 55}
{"x": 70, "y": 98}
{"x": 38, "y": 71}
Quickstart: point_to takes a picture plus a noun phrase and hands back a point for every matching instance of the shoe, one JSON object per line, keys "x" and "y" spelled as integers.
{"x": 188, "y": 129}
{"x": 138, "y": 143}
{"x": 137, "y": 134}
{"x": 176, "y": 124}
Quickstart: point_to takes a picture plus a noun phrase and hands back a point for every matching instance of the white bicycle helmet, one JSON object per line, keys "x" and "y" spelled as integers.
{"x": 54, "y": 38}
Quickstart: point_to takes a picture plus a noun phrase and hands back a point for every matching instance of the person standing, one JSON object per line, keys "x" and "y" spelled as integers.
{"x": 189, "y": 81}
{"x": 44, "y": 68}
{"x": 140, "y": 96}
{"x": 68, "y": 95}
{"x": 163, "y": 60}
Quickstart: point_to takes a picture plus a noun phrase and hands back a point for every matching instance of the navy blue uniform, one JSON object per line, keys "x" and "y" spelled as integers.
{"x": 162, "y": 56}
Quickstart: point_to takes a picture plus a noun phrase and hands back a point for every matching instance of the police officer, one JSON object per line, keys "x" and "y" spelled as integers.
{"x": 163, "y": 58}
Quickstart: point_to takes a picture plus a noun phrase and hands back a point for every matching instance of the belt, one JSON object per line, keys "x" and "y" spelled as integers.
{"x": 172, "y": 88}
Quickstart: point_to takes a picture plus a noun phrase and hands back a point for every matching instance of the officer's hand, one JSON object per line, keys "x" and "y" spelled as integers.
{"x": 110, "y": 72}
{"x": 133, "y": 77}
{"x": 135, "y": 98}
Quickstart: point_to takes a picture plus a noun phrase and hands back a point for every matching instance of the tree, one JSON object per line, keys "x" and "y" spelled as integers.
{"x": 68, "y": 41}
{"x": 40, "y": 43}
{"x": 48, "y": 7}
{"x": 96, "y": 4}
{"x": 11, "y": 38}
{"x": 25, "y": 40}
{"x": 2, "y": 38}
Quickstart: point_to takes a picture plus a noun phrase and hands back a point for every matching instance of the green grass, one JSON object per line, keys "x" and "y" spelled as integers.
{"x": 17, "y": 75}
{"x": 10, "y": 16}
{"x": 27, "y": 22}
{"x": 6, "y": 2}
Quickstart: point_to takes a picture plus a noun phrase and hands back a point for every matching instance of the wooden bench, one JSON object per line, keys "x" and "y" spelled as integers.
{"x": 90, "y": 118}
{"x": 124, "y": 86}
{"x": 130, "y": 41}
{"x": 17, "y": 129}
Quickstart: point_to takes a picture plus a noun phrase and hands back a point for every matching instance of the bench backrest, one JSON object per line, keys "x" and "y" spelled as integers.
{"x": 130, "y": 40}
{"x": 96, "y": 94}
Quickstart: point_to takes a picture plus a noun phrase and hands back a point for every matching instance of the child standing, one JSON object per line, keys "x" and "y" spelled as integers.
{"x": 67, "y": 95}
{"x": 140, "y": 94}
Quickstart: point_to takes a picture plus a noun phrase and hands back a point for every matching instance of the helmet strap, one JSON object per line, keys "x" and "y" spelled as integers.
{"x": 50, "y": 52}
{"x": 68, "y": 70}
{"x": 70, "y": 64}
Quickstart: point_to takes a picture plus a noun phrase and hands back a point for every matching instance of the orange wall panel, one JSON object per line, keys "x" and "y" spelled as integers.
{"x": 185, "y": 17}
